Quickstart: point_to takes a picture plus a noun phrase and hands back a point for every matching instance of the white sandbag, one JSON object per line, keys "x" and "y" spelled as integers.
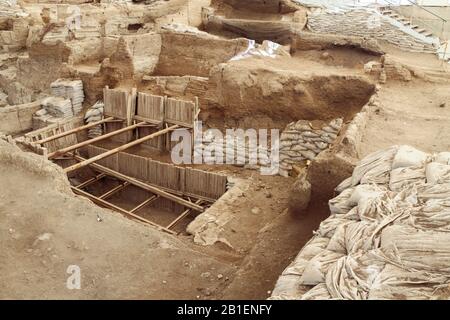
{"x": 314, "y": 247}
{"x": 409, "y": 157}
{"x": 339, "y": 204}
{"x": 365, "y": 192}
{"x": 416, "y": 249}
{"x": 352, "y": 215}
{"x": 433, "y": 191}
{"x": 288, "y": 288}
{"x": 352, "y": 276}
{"x": 318, "y": 292}
{"x": 388, "y": 240}
{"x": 395, "y": 283}
{"x": 433, "y": 215}
{"x": 353, "y": 237}
{"x": 347, "y": 183}
{"x": 94, "y": 118}
{"x": 93, "y": 112}
{"x": 328, "y": 226}
{"x": 403, "y": 177}
{"x": 41, "y": 112}
{"x": 317, "y": 267}
{"x": 437, "y": 173}
{"x": 375, "y": 168}
{"x": 442, "y": 157}
{"x": 288, "y": 285}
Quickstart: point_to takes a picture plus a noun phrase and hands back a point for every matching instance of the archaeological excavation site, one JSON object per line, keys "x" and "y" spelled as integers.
{"x": 224, "y": 150}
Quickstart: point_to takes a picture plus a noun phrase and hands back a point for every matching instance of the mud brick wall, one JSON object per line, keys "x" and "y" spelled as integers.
{"x": 198, "y": 57}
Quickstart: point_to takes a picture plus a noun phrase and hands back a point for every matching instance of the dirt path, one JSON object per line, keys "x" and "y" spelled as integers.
{"x": 415, "y": 113}
{"x": 44, "y": 229}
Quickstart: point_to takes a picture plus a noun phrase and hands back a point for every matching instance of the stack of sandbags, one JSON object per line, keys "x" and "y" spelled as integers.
{"x": 94, "y": 114}
{"x": 70, "y": 89}
{"x": 42, "y": 119}
{"x": 58, "y": 107}
{"x": 10, "y": 8}
{"x": 387, "y": 235}
{"x": 300, "y": 141}
{"x": 237, "y": 152}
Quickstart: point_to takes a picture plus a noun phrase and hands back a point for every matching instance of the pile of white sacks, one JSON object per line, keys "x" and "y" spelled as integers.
{"x": 388, "y": 235}
{"x": 299, "y": 142}
{"x": 72, "y": 90}
{"x": 94, "y": 114}
{"x": 58, "y": 107}
{"x": 66, "y": 102}
{"x": 53, "y": 110}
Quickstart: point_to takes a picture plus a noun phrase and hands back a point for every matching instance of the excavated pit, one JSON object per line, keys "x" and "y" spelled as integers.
{"x": 160, "y": 211}
{"x": 311, "y": 81}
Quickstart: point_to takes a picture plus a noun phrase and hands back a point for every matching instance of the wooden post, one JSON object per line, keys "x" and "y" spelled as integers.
{"x": 91, "y": 180}
{"x": 113, "y": 190}
{"x": 183, "y": 215}
{"x": 87, "y": 142}
{"x": 145, "y": 203}
{"x": 143, "y": 185}
{"x": 119, "y": 149}
{"x": 66, "y": 133}
{"x": 131, "y": 106}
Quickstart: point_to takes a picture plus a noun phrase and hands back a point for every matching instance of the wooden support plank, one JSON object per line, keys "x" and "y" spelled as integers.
{"x": 119, "y": 209}
{"x": 119, "y": 149}
{"x": 114, "y": 190}
{"x": 90, "y": 181}
{"x": 183, "y": 215}
{"x": 141, "y": 118}
{"x": 180, "y": 123}
{"x": 88, "y": 142}
{"x": 143, "y": 185}
{"x": 66, "y": 133}
{"x": 153, "y": 198}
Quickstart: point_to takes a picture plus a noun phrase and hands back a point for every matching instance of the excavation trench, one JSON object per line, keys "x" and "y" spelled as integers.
{"x": 253, "y": 214}
{"x": 132, "y": 199}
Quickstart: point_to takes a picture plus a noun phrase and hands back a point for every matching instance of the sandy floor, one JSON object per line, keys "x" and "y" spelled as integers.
{"x": 44, "y": 228}
{"x": 410, "y": 113}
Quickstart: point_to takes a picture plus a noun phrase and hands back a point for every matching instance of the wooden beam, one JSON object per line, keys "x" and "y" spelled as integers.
{"x": 91, "y": 180}
{"x": 155, "y": 122}
{"x": 153, "y": 198}
{"x": 119, "y": 149}
{"x": 119, "y": 209}
{"x": 88, "y": 142}
{"x": 66, "y": 133}
{"x": 142, "y": 185}
{"x": 183, "y": 215}
{"x": 114, "y": 190}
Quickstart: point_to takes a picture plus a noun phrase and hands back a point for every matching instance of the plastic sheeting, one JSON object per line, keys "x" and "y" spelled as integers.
{"x": 266, "y": 49}
{"x": 388, "y": 235}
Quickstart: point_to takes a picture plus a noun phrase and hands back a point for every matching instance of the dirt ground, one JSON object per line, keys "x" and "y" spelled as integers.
{"x": 45, "y": 228}
{"x": 414, "y": 113}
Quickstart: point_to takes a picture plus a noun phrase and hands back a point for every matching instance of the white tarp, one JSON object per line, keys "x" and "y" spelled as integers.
{"x": 266, "y": 49}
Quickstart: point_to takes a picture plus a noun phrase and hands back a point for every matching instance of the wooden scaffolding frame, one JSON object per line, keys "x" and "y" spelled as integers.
{"x": 131, "y": 121}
